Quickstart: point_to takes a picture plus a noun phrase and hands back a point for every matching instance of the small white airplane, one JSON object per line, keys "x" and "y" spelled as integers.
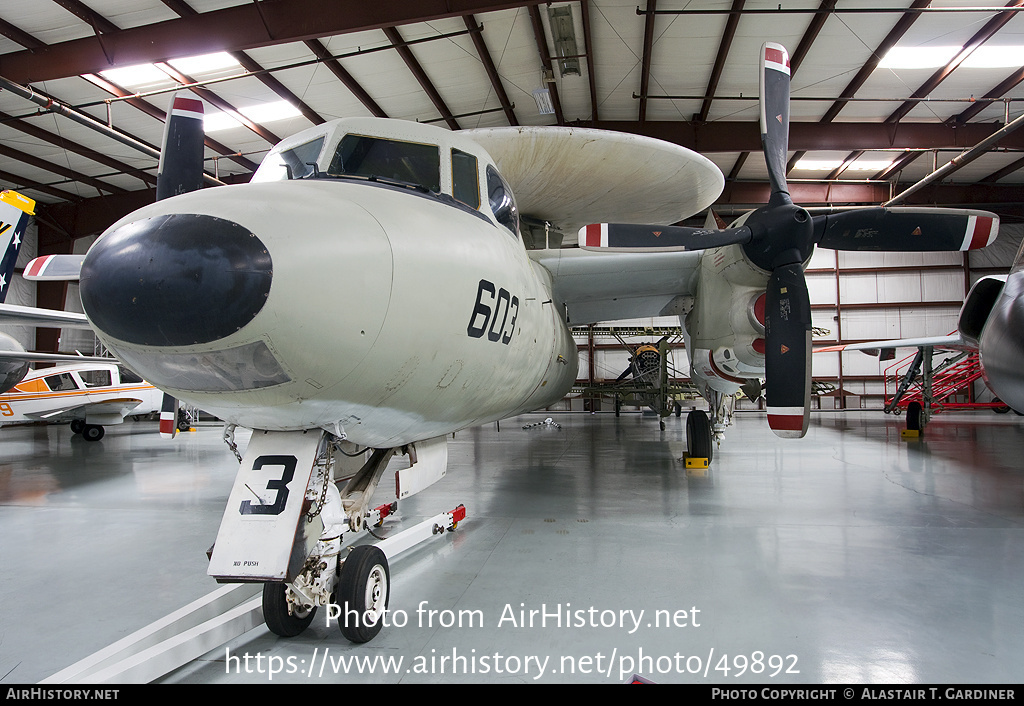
{"x": 88, "y": 395}
{"x": 371, "y": 286}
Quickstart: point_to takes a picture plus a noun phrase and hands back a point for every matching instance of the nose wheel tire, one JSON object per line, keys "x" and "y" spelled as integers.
{"x": 698, "y": 435}
{"x": 364, "y": 588}
{"x": 275, "y": 612}
{"x": 914, "y": 416}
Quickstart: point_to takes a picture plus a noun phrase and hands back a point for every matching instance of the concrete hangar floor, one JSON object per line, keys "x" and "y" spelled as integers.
{"x": 849, "y": 556}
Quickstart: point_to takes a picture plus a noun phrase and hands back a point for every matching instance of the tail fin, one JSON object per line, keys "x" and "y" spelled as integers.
{"x": 15, "y": 210}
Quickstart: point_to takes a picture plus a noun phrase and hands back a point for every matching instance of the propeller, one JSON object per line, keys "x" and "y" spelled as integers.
{"x": 180, "y": 171}
{"x": 780, "y": 237}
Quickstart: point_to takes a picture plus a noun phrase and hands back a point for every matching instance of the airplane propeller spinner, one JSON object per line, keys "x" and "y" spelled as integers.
{"x": 779, "y": 239}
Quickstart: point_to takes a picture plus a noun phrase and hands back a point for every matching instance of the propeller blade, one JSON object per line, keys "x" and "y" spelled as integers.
{"x": 774, "y": 102}
{"x": 181, "y": 156}
{"x": 168, "y": 417}
{"x": 788, "y": 352}
{"x": 180, "y": 171}
{"x": 907, "y": 229}
{"x": 627, "y": 237}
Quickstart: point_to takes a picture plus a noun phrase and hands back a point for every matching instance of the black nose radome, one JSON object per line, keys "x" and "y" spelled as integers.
{"x": 175, "y": 280}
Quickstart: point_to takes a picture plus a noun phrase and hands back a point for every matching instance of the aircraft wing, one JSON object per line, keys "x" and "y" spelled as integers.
{"x": 30, "y": 357}
{"x": 570, "y": 177}
{"x": 952, "y": 342}
{"x": 32, "y": 316}
{"x": 121, "y": 407}
{"x": 602, "y": 286}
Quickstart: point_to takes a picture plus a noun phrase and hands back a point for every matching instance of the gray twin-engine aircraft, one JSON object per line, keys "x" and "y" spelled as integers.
{"x": 371, "y": 286}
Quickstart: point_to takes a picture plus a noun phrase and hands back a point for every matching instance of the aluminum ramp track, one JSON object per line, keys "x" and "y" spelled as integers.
{"x": 173, "y": 641}
{"x": 208, "y": 623}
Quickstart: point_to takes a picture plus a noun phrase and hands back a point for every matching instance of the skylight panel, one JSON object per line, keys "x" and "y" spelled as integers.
{"x": 135, "y": 76}
{"x": 205, "y": 63}
{"x": 261, "y": 113}
{"x": 918, "y": 57}
{"x": 986, "y": 57}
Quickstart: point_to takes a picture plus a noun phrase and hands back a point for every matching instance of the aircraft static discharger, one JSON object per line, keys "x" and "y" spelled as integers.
{"x": 370, "y": 285}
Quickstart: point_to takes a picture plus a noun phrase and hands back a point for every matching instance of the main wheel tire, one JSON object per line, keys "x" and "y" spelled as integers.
{"x": 92, "y": 432}
{"x": 77, "y": 426}
{"x": 698, "y": 435}
{"x": 364, "y": 589}
{"x": 914, "y": 411}
{"x": 275, "y": 612}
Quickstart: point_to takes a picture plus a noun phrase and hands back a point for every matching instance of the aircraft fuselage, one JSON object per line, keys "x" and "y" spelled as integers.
{"x": 385, "y": 313}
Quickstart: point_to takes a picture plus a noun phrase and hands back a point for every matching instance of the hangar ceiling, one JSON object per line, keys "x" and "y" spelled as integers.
{"x": 684, "y": 71}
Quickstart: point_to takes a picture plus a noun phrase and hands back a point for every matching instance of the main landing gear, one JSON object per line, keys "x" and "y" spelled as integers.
{"x": 89, "y": 432}
{"x": 287, "y": 518}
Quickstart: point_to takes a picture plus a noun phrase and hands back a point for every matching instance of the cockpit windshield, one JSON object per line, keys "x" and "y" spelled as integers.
{"x": 411, "y": 162}
{"x": 296, "y": 163}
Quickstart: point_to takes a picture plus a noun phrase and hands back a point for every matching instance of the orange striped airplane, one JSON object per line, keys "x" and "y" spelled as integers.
{"x": 88, "y": 395}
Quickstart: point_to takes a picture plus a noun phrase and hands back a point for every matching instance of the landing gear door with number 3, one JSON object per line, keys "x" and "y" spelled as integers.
{"x": 261, "y": 521}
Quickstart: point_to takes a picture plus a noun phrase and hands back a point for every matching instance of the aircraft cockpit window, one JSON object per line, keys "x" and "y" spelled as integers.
{"x": 60, "y": 383}
{"x": 503, "y": 204}
{"x": 96, "y": 378}
{"x": 465, "y": 182}
{"x": 408, "y": 162}
{"x": 295, "y": 163}
{"x": 127, "y": 376}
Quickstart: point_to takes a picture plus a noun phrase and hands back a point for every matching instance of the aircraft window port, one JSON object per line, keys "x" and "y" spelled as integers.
{"x": 299, "y": 160}
{"x": 296, "y": 163}
{"x": 59, "y": 383}
{"x": 127, "y": 376}
{"x": 465, "y": 180}
{"x": 503, "y": 204}
{"x": 96, "y": 378}
{"x": 408, "y": 162}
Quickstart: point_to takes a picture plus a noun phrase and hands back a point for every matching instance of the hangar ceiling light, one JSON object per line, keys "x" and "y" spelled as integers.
{"x": 151, "y": 75}
{"x": 262, "y": 113}
{"x": 984, "y": 57}
{"x": 827, "y": 165}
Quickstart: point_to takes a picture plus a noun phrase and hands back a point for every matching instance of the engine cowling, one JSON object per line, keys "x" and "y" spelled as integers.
{"x": 11, "y": 372}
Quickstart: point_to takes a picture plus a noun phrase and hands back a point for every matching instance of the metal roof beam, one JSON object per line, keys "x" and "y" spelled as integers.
{"x": 588, "y": 46}
{"x": 645, "y": 61}
{"x": 410, "y": 60}
{"x": 492, "y": 71}
{"x": 335, "y": 67}
{"x": 901, "y": 27}
{"x": 996, "y": 93}
{"x": 723, "y": 53}
{"x": 41, "y": 134}
{"x": 58, "y": 169}
{"x": 734, "y": 136}
{"x": 545, "y": 61}
{"x": 251, "y": 65}
{"x": 982, "y": 36}
{"x": 244, "y": 26}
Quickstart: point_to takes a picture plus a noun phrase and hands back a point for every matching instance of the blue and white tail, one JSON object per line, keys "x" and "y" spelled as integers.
{"x": 15, "y": 211}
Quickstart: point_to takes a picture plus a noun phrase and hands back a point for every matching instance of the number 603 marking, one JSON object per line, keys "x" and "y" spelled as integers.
{"x": 492, "y": 312}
